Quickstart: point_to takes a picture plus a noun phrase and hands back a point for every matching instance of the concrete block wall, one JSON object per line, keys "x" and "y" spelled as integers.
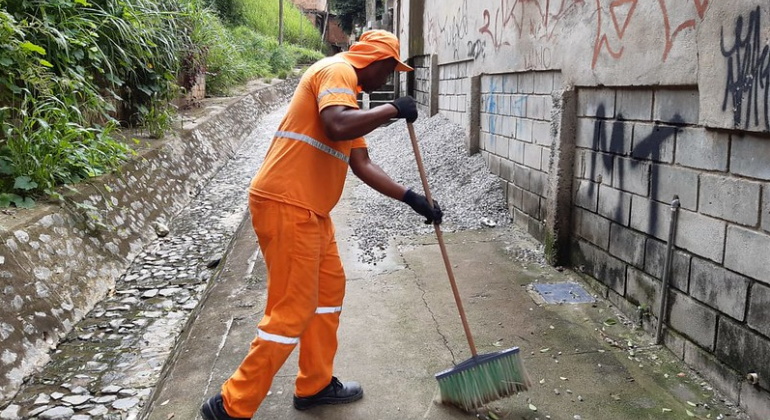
{"x": 635, "y": 149}
{"x": 516, "y": 140}
{"x": 454, "y": 91}
{"x": 421, "y": 84}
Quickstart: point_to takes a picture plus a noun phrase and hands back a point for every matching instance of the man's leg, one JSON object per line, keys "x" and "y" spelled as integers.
{"x": 291, "y": 242}
{"x": 318, "y": 344}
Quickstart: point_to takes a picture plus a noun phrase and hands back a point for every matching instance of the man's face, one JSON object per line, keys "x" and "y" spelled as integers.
{"x": 376, "y": 74}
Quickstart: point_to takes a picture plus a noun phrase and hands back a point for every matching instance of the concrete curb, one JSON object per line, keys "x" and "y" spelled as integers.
{"x": 59, "y": 260}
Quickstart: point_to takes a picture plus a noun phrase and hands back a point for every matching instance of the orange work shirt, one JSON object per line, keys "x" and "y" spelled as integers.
{"x": 303, "y": 167}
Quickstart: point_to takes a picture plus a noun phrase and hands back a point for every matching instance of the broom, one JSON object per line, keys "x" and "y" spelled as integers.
{"x": 482, "y": 378}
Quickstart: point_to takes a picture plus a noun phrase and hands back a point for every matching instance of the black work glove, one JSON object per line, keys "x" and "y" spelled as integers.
{"x": 406, "y": 107}
{"x": 420, "y": 204}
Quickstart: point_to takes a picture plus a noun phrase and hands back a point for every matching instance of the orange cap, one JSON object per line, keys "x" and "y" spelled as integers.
{"x": 375, "y": 46}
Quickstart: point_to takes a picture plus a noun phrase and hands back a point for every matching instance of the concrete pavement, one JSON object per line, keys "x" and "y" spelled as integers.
{"x": 400, "y": 326}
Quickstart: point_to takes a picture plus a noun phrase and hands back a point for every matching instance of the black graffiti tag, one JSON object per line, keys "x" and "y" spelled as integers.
{"x": 748, "y": 74}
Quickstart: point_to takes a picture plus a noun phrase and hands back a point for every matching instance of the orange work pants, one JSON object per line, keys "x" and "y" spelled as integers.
{"x": 305, "y": 289}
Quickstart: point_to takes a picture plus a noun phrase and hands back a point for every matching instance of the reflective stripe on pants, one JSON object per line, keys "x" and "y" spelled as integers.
{"x": 305, "y": 290}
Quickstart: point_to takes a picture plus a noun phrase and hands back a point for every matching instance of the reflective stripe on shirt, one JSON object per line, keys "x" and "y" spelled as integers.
{"x": 328, "y": 310}
{"x": 277, "y": 338}
{"x": 313, "y": 142}
{"x": 335, "y": 90}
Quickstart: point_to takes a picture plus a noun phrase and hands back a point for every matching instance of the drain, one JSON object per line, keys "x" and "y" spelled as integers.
{"x": 567, "y": 292}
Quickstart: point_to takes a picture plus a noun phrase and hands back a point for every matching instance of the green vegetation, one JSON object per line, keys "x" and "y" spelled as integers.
{"x": 72, "y": 72}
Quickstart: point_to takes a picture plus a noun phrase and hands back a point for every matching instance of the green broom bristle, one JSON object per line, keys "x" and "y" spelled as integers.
{"x": 483, "y": 379}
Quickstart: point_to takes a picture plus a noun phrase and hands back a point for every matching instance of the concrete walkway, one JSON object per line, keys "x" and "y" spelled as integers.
{"x": 400, "y": 326}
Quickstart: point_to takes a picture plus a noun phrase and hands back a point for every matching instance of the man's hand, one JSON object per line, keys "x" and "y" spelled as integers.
{"x": 406, "y": 107}
{"x": 420, "y": 204}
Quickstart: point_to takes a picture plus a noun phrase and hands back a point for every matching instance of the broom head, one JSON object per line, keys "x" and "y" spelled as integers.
{"x": 482, "y": 379}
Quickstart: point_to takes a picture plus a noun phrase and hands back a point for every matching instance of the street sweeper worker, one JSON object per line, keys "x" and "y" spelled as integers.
{"x": 290, "y": 199}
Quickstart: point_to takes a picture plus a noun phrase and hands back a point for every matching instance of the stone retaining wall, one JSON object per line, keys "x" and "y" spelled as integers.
{"x": 58, "y": 261}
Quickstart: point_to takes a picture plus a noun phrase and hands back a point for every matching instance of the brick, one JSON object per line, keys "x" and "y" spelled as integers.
{"x": 541, "y": 133}
{"x": 532, "y": 155}
{"x": 484, "y": 139}
{"x": 598, "y": 103}
{"x": 596, "y": 167}
{"x": 586, "y": 195}
{"x": 650, "y": 217}
{"x": 514, "y": 196}
{"x": 588, "y": 133}
{"x": 676, "y": 106}
{"x": 729, "y": 198}
{"x": 765, "y": 216}
{"x": 717, "y": 373}
{"x": 655, "y": 264}
{"x": 627, "y": 245}
{"x": 518, "y": 105}
{"x": 494, "y": 164}
{"x": 516, "y": 151}
{"x": 521, "y": 176}
{"x": 524, "y": 129}
{"x": 614, "y": 204}
{"x": 543, "y": 82}
{"x": 506, "y": 169}
{"x": 642, "y": 289}
{"x": 720, "y": 289}
{"x": 539, "y": 107}
{"x": 654, "y": 142}
{"x": 600, "y": 265}
{"x": 530, "y": 204}
{"x": 747, "y": 253}
{"x": 701, "y": 149}
{"x": 545, "y": 164}
{"x": 755, "y": 400}
{"x": 693, "y": 319}
{"x": 526, "y": 82}
{"x": 615, "y": 137}
{"x": 538, "y": 183}
{"x": 750, "y": 157}
{"x": 631, "y": 176}
{"x": 592, "y": 228}
{"x": 667, "y": 181}
{"x": 701, "y": 235}
{"x": 759, "y": 316}
{"x": 743, "y": 349}
{"x": 510, "y": 83}
{"x": 501, "y": 146}
{"x": 634, "y": 104}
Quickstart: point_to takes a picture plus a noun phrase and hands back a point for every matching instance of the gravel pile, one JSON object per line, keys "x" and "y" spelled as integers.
{"x": 469, "y": 195}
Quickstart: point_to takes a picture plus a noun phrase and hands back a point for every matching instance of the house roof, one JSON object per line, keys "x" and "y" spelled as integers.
{"x": 310, "y": 4}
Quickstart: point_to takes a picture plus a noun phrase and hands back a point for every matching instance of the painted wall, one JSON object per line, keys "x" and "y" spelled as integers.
{"x": 595, "y": 114}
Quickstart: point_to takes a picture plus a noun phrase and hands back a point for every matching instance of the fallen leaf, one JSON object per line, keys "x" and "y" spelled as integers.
{"x": 691, "y": 404}
{"x": 544, "y": 350}
{"x": 610, "y": 321}
{"x": 532, "y": 407}
{"x": 615, "y": 397}
{"x": 667, "y": 410}
{"x": 497, "y": 344}
{"x": 493, "y": 416}
{"x": 165, "y": 402}
{"x": 681, "y": 374}
{"x": 690, "y": 413}
{"x": 170, "y": 416}
{"x": 563, "y": 378}
{"x": 542, "y": 381}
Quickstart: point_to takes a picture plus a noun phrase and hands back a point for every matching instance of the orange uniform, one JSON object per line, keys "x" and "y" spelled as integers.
{"x": 297, "y": 186}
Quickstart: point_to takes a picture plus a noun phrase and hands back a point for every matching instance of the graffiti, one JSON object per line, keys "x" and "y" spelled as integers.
{"x": 537, "y": 18}
{"x": 451, "y": 32}
{"x": 476, "y": 49}
{"x": 538, "y": 58}
{"x": 748, "y": 73}
{"x": 649, "y": 147}
{"x": 622, "y": 15}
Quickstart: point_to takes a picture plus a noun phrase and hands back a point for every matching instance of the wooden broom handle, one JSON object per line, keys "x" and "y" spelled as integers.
{"x": 440, "y": 238}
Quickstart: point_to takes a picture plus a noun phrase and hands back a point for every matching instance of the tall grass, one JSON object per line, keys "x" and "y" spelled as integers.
{"x": 262, "y": 16}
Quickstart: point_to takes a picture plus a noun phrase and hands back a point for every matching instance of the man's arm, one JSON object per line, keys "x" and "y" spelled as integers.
{"x": 345, "y": 123}
{"x": 376, "y": 178}
{"x": 373, "y": 175}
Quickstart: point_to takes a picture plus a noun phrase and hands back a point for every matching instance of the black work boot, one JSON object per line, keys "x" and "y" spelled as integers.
{"x": 335, "y": 393}
{"x": 214, "y": 409}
